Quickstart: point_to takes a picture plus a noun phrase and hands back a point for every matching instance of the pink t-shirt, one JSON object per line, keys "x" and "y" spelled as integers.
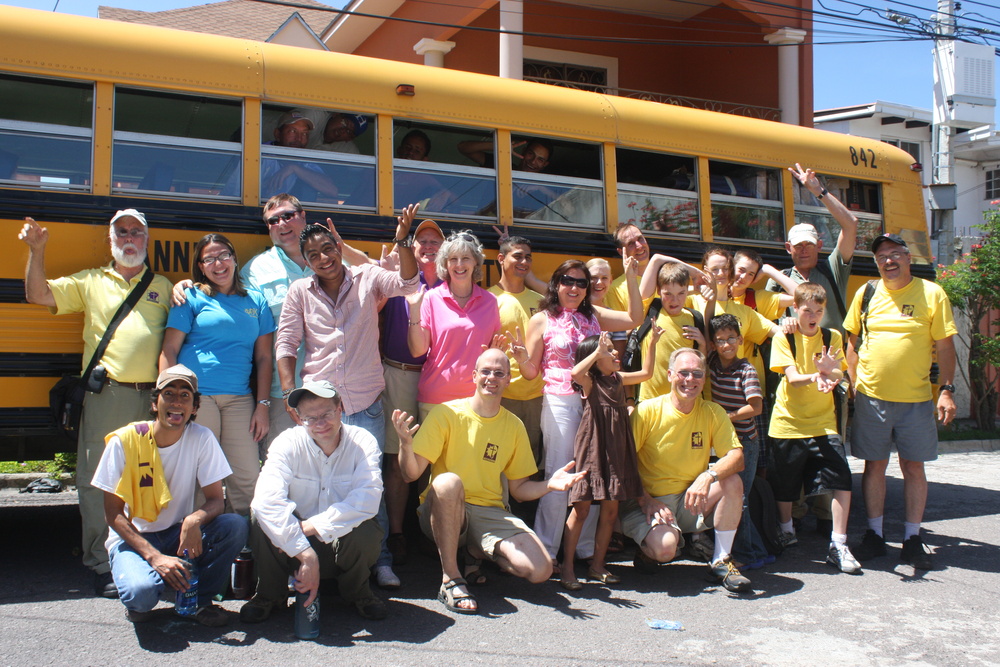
{"x": 457, "y": 339}
{"x": 563, "y": 334}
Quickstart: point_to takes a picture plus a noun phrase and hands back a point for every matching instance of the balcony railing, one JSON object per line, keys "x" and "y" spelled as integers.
{"x": 749, "y": 110}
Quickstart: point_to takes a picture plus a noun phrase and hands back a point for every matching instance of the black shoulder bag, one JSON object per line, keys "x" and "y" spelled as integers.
{"x": 66, "y": 397}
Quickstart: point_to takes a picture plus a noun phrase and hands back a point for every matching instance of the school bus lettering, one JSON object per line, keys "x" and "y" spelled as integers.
{"x": 181, "y": 256}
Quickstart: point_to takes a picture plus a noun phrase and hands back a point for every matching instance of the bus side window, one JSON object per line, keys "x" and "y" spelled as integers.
{"x": 658, "y": 192}
{"x": 746, "y": 202}
{"x": 172, "y": 143}
{"x": 46, "y": 130}
{"x": 448, "y": 170}
{"x": 558, "y": 182}
{"x": 863, "y": 198}
{"x": 322, "y": 156}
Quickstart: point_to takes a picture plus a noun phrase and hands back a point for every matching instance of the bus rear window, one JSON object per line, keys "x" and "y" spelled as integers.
{"x": 658, "y": 192}
{"x": 46, "y": 132}
{"x": 164, "y": 142}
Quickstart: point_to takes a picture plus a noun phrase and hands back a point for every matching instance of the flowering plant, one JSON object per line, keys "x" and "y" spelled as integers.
{"x": 971, "y": 283}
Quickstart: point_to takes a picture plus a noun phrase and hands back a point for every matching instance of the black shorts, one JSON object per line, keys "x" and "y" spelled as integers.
{"x": 816, "y": 465}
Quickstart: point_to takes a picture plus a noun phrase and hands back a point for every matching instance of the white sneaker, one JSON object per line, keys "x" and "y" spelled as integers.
{"x": 840, "y": 557}
{"x": 385, "y": 577}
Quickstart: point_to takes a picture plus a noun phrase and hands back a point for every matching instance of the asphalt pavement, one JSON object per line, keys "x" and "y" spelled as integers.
{"x": 801, "y": 613}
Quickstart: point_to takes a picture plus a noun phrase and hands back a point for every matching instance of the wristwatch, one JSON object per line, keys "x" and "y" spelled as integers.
{"x": 715, "y": 475}
{"x": 405, "y": 242}
{"x": 948, "y": 387}
{"x": 266, "y": 402}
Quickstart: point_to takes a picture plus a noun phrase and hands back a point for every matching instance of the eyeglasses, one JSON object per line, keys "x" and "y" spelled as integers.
{"x": 732, "y": 340}
{"x": 697, "y": 375}
{"x": 281, "y": 217}
{"x": 487, "y": 372}
{"x": 135, "y": 232}
{"x": 326, "y": 417}
{"x": 221, "y": 257}
{"x": 894, "y": 256}
{"x": 570, "y": 281}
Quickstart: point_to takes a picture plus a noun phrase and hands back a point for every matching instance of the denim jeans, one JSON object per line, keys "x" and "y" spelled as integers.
{"x": 372, "y": 420}
{"x": 140, "y": 586}
{"x": 749, "y": 547}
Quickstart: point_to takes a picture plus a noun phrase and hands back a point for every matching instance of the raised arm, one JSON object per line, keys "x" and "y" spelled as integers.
{"x": 848, "y": 221}
{"x": 528, "y": 350}
{"x": 581, "y": 371}
{"x": 785, "y": 282}
{"x": 648, "y": 362}
{"x": 476, "y": 150}
{"x": 36, "y": 287}
{"x": 407, "y": 262}
{"x": 615, "y": 320}
{"x": 418, "y": 338}
{"x": 411, "y": 464}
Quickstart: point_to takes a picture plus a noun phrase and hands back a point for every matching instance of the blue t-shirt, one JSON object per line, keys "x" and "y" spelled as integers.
{"x": 221, "y": 333}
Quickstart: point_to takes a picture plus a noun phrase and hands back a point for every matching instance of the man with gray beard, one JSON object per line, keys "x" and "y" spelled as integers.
{"x": 129, "y": 363}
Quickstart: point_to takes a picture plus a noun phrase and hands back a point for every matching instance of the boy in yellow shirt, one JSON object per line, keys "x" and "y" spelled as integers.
{"x": 808, "y": 452}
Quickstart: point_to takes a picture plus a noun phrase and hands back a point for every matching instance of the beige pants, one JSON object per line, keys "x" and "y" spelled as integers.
{"x": 228, "y": 416}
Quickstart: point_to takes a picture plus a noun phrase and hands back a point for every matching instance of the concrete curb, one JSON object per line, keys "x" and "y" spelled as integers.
{"x": 19, "y": 480}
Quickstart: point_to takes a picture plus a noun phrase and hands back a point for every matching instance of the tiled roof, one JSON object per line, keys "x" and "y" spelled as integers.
{"x": 246, "y": 19}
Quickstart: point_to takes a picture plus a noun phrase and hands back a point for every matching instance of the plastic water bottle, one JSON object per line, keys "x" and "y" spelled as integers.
{"x": 243, "y": 580}
{"x": 659, "y": 624}
{"x": 187, "y": 601}
{"x": 306, "y": 618}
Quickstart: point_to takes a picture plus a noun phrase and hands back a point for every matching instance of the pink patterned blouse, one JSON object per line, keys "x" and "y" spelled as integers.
{"x": 563, "y": 334}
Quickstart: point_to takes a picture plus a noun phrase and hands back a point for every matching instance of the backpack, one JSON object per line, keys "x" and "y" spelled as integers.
{"x": 633, "y": 348}
{"x": 839, "y": 392}
{"x": 763, "y": 510}
{"x": 824, "y": 268}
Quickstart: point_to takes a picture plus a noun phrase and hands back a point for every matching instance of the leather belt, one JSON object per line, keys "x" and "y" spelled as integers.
{"x": 403, "y": 367}
{"x": 138, "y": 386}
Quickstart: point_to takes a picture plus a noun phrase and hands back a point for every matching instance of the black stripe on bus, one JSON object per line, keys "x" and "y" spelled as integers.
{"x": 12, "y": 291}
{"x": 212, "y": 217}
{"x": 25, "y": 364}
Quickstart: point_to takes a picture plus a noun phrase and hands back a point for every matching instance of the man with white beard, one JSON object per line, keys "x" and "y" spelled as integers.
{"x": 129, "y": 363}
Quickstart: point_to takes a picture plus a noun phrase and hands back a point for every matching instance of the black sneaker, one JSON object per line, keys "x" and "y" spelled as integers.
{"x": 259, "y": 608}
{"x": 731, "y": 579}
{"x": 916, "y": 554}
{"x": 104, "y": 586}
{"x": 372, "y": 608}
{"x": 872, "y": 546}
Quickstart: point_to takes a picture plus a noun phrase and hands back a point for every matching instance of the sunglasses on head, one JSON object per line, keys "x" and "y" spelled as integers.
{"x": 570, "y": 281}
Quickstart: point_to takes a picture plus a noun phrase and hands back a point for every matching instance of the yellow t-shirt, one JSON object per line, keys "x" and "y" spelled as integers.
{"x": 673, "y": 447}
{"x": 515, "y": 311}
{"x": 617, "y": 296}
{"x": 477, "y": 449}
{"x": 672, "y": 339}
{"x": 894, "y": 361}
{"x": 134, "y": 351}
{"x": 802, "y": 412}
{"x": 768, "y": 307}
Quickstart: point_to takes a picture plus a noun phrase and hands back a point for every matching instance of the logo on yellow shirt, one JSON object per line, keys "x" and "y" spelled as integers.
{"x": 696, "y": 440}
{"x": 153, "y": 297}
{"x": 491, "y": 452}
{"x": 907, "y": 310}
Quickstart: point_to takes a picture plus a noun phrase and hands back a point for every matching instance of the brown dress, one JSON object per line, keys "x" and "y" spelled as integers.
{"x": 604, "y": 445}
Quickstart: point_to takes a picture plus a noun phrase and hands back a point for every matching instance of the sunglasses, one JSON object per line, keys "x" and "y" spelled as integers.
{"x": 570, "y": 281}
{"x": 281, "y": 217}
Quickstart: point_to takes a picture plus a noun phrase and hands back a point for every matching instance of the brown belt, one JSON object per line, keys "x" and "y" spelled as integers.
{"x": 138, "y": 386}
{"x": 403, "y": 367}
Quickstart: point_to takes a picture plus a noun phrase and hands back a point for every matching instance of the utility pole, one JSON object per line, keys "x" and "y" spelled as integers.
{"x": 943, "y": 221}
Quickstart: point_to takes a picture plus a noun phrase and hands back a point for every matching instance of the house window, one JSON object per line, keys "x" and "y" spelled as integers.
{"x": 911, "y": 147}
{"x": 993, "y": 184}
{"x": 568, "y": 75}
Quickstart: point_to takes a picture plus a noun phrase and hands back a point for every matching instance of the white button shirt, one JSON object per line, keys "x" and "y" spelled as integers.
{"x": 299, "y": 482}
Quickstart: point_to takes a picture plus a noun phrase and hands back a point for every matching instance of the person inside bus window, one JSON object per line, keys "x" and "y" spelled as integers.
{"x": 410, "y": 186}
{"x": 535, "y": 154}
{"x": 339, "y": 133}
{"x": 301, "y": 179}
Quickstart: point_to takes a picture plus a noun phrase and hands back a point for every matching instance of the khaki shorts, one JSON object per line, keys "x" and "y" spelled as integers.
{"x": 400, "y": 394}
{"x": 637, "y": 526}
{"x": 487, "y": 526}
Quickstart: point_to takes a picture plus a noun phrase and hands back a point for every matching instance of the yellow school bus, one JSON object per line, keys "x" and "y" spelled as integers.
{"x": 98, "y": 115}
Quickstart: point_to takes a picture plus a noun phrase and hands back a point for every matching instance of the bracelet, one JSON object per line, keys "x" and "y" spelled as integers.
{"x": 285, "y": 393}
{"x": 822, "y": 193}
{"x": 414, "y": 324}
